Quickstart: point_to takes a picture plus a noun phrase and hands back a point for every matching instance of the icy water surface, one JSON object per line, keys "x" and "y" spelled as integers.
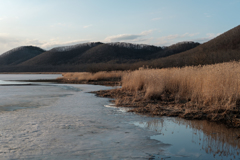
{"x": 65, "y": 121}
{"x": 193, "y": 139}
{"x": 28, "y": 76}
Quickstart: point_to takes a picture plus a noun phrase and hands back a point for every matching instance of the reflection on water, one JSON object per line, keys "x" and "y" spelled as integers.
{"x": 4, "y": 83}
{"x": 28, "y": 76}
{"x": 194, "y": 139}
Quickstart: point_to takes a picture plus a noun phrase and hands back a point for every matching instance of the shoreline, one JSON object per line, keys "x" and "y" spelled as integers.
{"x": 169, "y": 108}
{"x": 164, "y": 107}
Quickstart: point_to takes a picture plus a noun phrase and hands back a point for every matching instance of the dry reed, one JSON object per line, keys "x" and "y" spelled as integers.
{"x": 210, "y": 85}
{"x": 216, "y": 85}
{"x": 93, "y": 76}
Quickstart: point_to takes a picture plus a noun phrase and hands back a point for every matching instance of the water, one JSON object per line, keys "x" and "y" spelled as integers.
{"x": 65, "y": 121}
{"x": 194, "y": 139}
{"x": 28, "y": 76}
{"x": 11, "y": 83}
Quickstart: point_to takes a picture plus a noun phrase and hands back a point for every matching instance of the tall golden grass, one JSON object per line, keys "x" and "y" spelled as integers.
{"x": 93, "y": 76}
{"x": 210, "y": 85}
{"x": 215, "y": 85}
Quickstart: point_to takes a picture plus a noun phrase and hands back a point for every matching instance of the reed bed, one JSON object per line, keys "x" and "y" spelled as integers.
{"x": 211, "y": 85}
{"x": 93, "y": 76}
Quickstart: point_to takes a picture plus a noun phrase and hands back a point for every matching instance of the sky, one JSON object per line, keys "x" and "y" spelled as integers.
{"x": 52, "y": 23}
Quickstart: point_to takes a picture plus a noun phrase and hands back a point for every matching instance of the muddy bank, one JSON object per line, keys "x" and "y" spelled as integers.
{"x": 104, "y": 82}
{"x": 168, "y": 107}
{"x": 165, "y": 106}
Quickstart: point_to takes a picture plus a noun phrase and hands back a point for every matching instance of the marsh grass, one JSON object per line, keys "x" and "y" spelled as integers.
{"x": 210, "y": 85}
{"x": 87, "y": 76}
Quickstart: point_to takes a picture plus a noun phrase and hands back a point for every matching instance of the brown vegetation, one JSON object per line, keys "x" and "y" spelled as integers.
{"x": 203, "y": 85}
{"x": 102, "y": 78}
{"x": 202, "y": 92}
{"x": 94, "y": 76}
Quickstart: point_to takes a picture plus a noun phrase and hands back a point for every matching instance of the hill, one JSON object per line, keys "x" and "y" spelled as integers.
{"x": 176, "y": 48}
{"x": 60, "y": 55}
{"x": 224, "y": 48}
{"x": 97, "y": 52}
{"x": 117, "y": 53}
{"x": 19, "y": 55}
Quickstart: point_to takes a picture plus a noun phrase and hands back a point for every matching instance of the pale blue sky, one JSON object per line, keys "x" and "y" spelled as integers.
{"x": 50, "y": 23}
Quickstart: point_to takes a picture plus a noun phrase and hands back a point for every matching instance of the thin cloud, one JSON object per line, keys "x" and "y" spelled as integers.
{"x": 87, "y": 26}
{"x": 207, "y": 15}
{"x": 144, "y": 33}
{"x": 208, "y": 37}
{"x": 7, "y": 43}
{"x": 7, "y": 40}
{"x": 61, "y": 25}
{"x": 128, "y": 37}
{"x": 171, "y": 39}
{"x": 56, "y": 43}
{"x": 156, "y": 19}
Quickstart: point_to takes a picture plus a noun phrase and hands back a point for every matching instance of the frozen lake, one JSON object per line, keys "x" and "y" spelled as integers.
{"x": 64, "y": 121}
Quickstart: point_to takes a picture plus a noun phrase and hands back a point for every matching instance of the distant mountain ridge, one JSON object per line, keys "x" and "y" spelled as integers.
{"x": 134, "y": 46}
{"x": 69, "y": 48}
{"x": 223, "y": 48}
{"x": 98, "y": 52}
{"x": 121, "y": 55}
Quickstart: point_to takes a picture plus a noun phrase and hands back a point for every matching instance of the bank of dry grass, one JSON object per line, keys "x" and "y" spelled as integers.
{"x": 200, "y": 92}
{"x": 212, "y": 85}
{"x": 193, "y": 92}
{"x": 111, "y": 78}
{"x": 93, "y": 76}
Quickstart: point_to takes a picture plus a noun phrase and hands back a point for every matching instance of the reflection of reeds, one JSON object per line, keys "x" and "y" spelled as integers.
{"x": 217, "y": 139}
{"x": 214, "y": 138}
{"x": 216, "y": 85}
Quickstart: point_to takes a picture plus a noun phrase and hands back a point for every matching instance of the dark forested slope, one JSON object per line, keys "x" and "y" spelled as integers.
{"x": 60, "y": 55}
{"x": 98, "y": 52}
{"x": 19, "y": 55}
{"x": 224, "y": 48}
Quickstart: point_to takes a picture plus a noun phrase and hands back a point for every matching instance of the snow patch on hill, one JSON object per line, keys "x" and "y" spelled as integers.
{"x": 134, "y": 46}
{"x": 69, "y": 48}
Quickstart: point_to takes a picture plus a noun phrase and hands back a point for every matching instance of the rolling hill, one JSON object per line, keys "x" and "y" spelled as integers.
{"x": 60, "y": 55}
{"x": 97, "y": 52}
{"x": 223, "y": 48}
{"x": 19, "y": 55}
{"x": 120, "y": 55}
